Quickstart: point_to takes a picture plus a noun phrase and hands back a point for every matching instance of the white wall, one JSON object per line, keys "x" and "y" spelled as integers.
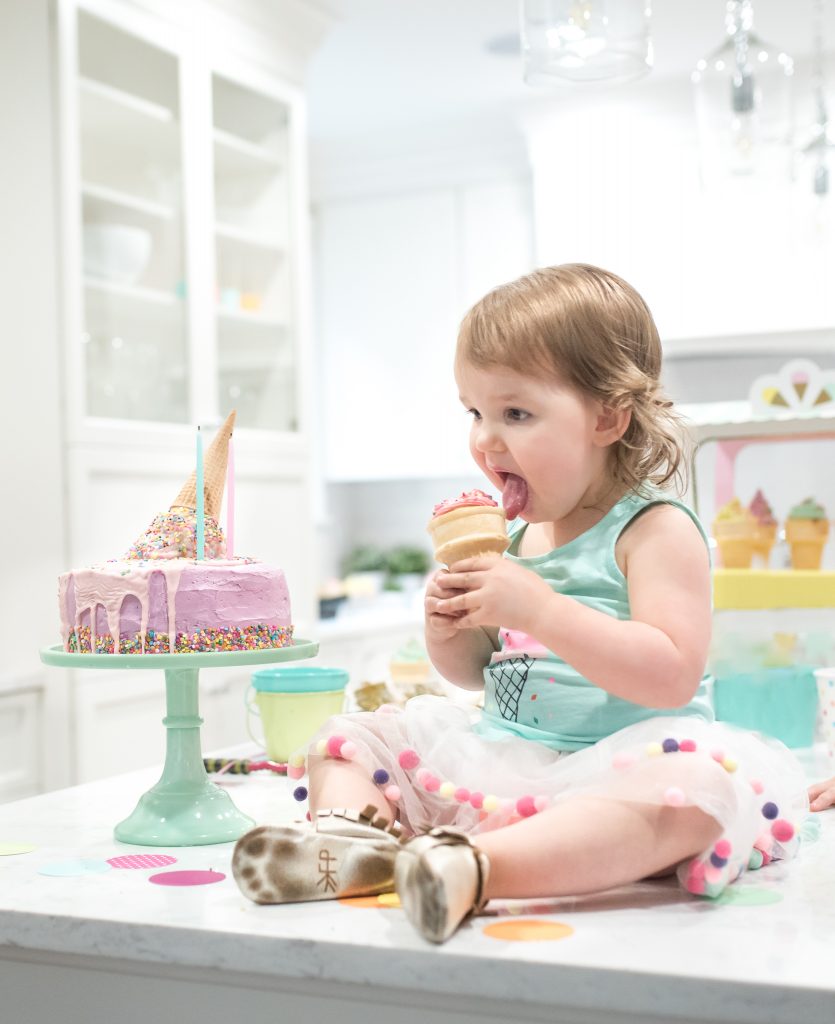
{"x": 31, "y": 506}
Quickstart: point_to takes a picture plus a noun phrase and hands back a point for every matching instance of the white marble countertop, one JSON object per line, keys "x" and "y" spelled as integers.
{"x": 647, "y": 950}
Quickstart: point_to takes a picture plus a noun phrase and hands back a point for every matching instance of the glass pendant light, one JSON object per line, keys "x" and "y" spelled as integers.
{"x": 819, "y": 148}
{"x": 744, "y": 105}
{"x": 585, "y": 40}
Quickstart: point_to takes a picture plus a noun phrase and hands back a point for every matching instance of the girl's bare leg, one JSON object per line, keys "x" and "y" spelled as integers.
{"x": 337, "y": 783}
{"x": 589, "y": 844}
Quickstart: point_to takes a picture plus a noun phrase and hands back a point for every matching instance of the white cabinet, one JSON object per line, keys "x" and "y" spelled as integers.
{"x": 396, "y": 274}
{"x": 21, "y": 731}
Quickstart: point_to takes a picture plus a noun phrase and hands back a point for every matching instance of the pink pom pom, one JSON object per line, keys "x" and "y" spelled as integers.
{"x": 782, "y": 830}
{"x": 408, "y": 759}
{"x": 623, "y": 760}
{"x": 348, "y": 750}
{"x": 757, "y": 785}
{"x": 422, "y": 775}
{"x": 432, "y": 783}
{"x": 674, "y": 796}
{"x": 687, "y": 745}
{"x": 525, "y": 806}
{"x": 307, "y": 815}
{"x": 695, "y": 881}
{"x": 295, "y": 771}
{"x": 722, "y": 848}
{"x": 392, "y": 793}
{"x": 713, "y": 874}
{"x": 718, "y": 755}
{"x": 541, "y": 803}
{"x": 477, "y": 800}
{"x": 462, "y": 795}
{"x": 334, "y": 744}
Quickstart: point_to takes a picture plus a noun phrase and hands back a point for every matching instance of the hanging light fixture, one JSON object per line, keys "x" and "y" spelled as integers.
{"x": 585, "y": 40}
{"x": 744, "y": 104}
{"x": 820, "y": 145}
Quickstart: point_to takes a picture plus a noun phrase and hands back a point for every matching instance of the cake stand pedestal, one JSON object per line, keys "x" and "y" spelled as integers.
{"x": 184, "y": 808}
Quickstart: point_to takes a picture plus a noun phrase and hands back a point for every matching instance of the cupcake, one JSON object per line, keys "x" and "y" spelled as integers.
{"x": 410, "y": 664}
{"x": 806, "y": 531}
{"x": 766, "y": 531}
{"x": 471, "y": 524}
{"x": 735, "y": 530}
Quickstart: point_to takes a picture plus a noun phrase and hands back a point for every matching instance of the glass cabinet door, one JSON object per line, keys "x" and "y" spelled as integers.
{"x": 255, "y": 323}
{"x": 135, "y": 330}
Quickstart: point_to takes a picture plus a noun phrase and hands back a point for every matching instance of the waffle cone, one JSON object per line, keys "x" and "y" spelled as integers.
{"x": 214, "y": 474}
{"x": 764, "y": 538}
{"x": 467, "y": 532}
{"x": 807, "y": 538}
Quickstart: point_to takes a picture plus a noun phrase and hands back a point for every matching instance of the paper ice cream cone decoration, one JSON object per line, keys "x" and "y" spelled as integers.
{"x": 799, "y": 386}
{"x": 806, "y": 531}
{"x": 735, "y": 530}
{"x": 467, "y": 526}
{"x": 214, "y": 474}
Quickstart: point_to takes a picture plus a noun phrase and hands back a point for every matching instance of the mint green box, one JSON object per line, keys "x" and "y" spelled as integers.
{"x": 780, "y": 702}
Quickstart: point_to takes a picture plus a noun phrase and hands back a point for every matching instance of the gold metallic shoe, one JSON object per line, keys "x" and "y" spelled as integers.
{"x": 440, "y": 878}
{"x": 345, "y": 853}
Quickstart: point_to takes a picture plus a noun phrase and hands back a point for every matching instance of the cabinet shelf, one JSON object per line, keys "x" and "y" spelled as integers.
{"x": 235, "y": 156}
{"x": 107, "y": 96}
{"x": 249, "y": 318}
{"x": 130, "y": 292}
{"x": 760, "y": 589}
{"x": 716, "y": 421}
{"x": 136, "y": 204}
{"x": 245, "y": 237}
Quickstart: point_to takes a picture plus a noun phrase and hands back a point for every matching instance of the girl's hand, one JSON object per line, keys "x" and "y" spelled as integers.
{"x": 440, "y": 621}
{"x": 491, "y": 591}
{"x": 822, "y": 795}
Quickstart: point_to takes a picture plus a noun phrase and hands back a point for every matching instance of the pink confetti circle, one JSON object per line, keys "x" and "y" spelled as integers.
{"x": 142, "y": 860}
{"x": 187, "y": 877}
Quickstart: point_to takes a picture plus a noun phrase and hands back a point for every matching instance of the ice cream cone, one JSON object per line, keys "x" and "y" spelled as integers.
{"x": 807, "y": 538}
{"x": 214, "y": 474}
{"x": 469, "y": 531}
{"x": 735, "y": 530}
{"x": 764, "y": 539}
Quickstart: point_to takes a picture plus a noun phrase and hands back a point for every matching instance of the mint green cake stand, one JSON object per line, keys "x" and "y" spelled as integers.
{"x": 184, "y": 808}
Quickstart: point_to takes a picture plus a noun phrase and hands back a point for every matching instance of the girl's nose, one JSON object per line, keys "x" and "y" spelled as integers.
{"x": 486, "y": 439}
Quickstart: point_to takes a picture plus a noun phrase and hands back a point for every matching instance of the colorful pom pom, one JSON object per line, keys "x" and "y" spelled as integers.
{"x": 755, "y": 860}
{"x": 296, "y": 760}
{"x": 392, "y": 793}
{"x": 381, "y": 777}
{"x": 782, "y": 830}
{"x": 770, "y": 810}
{"x": 729, "y": 764}
{"x": 670, "y": 745}
{"x": 714, "y": 873}
{"x": 654, "y": 749}
{"x": 300, "y": 793}
{"x": 462, "y": 795}
{"x": 623, "y": 760}
{"x": 695, "y": 880}
{"x": 295, "y": 771}
{"x": 718, "y": 755}
{"x": 757, "y": 786}
{"x": 723, "y": 848}
{"x": 333, "y": 745}
{"x": 408, "y": 759}
{"x": 432, "y": 783}
{"x": 688, "y": 746}
{"x": 447, "y": 790}
{"x": 477, "y": 800}
{"x": 348, "y": 750}
{"x": 490, "y": 803}
{"x": 674, "y": 796}
{"x": 422, "y": 775}
{"x": 525, "y": 806}
{"x": 717, "y": 861}
{"x": 321, "y": 747}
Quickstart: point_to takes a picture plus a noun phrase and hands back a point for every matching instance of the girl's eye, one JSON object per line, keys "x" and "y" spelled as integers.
{"x": 516, "y": 415}
{"x": 476, "y": 415}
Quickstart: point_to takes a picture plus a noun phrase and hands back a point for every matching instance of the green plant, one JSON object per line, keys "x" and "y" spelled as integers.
{"x": 364, "y": 558}
{"x": 406, "y": 559}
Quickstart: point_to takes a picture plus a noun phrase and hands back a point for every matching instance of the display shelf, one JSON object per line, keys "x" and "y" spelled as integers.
{"x": 762, "y": 589}
{"x": 249, "y": 318}
{"x": 245, "y": 237}
{"x": 131, "y": 292}
{"x": 235, "y": 156}
{"x": 109, "y": 197}
{"x": 717, "y": 421}
{"x": 103, "y": 97}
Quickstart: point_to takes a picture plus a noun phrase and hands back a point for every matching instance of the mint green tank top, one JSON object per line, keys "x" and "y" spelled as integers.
{"x": 529, "y": 690}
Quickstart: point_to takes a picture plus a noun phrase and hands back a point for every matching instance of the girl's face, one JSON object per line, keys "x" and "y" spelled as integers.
{"x": 539, "y": 431}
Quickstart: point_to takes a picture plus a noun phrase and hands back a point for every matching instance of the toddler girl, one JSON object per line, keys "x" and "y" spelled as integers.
{"x": 595, "y": 761}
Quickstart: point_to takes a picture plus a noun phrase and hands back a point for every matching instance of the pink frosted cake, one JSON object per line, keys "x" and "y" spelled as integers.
{"x": 159, "y": 599}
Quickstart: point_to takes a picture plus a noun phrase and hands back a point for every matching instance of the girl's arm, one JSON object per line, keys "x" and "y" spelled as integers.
{"x": 458, "y": 655}
{"x": 657, "y": 657}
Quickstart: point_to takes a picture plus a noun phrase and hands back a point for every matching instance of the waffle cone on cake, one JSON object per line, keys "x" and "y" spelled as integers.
{"x": 806, "y": 531}
{"x": 214, "y": 474}
{"x": 735, "y": 531}
{"x": 471, "y": 525}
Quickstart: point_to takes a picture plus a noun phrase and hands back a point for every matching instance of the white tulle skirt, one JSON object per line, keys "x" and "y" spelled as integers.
{"x": 435, "y": 769}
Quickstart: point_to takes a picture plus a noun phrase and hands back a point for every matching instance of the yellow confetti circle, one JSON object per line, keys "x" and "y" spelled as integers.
{"x": 528, "y": 930}
{"x": 387, "y": 899}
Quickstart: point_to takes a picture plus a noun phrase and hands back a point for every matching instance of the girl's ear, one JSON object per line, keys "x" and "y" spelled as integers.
{"x": 611, "y": 425}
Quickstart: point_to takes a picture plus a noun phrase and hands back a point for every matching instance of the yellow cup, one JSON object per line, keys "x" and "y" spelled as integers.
{"x": 293, "y": 702}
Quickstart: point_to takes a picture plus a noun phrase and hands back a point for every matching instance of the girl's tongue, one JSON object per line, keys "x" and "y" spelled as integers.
{"x": 514, "y": 495}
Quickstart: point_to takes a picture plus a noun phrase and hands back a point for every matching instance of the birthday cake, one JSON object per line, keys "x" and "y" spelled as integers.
{"x": 176, "y": 591}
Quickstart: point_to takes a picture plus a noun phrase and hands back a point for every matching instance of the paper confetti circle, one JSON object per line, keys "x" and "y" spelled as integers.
{"x": 142, "y": 860}
{"x": 13, "y": 849}
{"x": 187, "y": 877}
{"x": 530, "y": 930}
{"x": 74, "y": 868}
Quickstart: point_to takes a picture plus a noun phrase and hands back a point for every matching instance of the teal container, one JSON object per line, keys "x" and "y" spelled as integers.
{"x": 293, "y": 702}
{"x": 780, "y": 702}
